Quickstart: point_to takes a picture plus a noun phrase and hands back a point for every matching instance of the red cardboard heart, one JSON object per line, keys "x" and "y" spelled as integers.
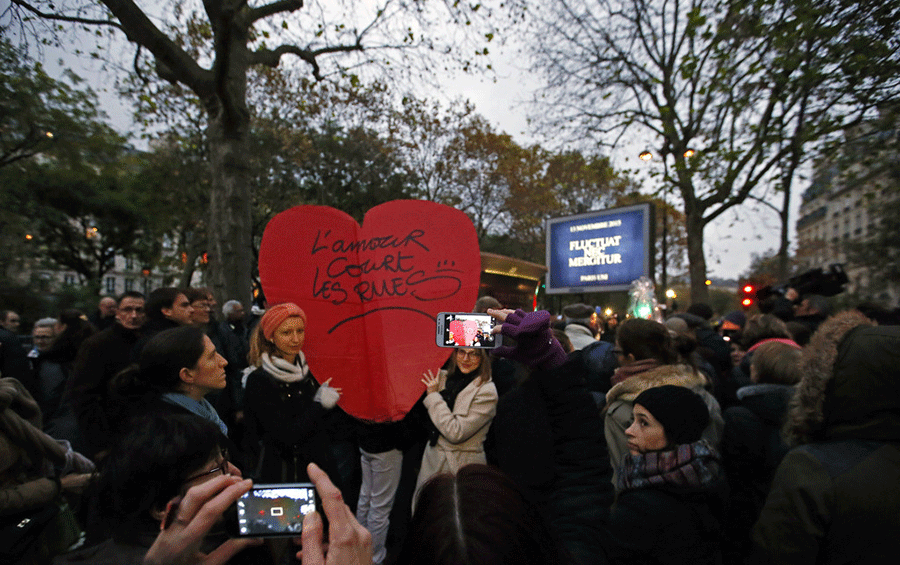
{"x": 371, "y": 294}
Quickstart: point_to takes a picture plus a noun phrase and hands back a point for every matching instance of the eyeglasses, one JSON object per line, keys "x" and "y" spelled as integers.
{"x": 222, "y": 466}
{"x": 471, "y": 354}
{"x": 618, "y": 352}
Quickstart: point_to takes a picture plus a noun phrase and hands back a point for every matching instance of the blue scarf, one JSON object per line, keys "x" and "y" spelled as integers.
{"x": 200, "y": 407}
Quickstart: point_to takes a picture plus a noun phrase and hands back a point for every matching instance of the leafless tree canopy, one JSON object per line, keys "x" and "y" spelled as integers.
{"x": 749, "y": 85}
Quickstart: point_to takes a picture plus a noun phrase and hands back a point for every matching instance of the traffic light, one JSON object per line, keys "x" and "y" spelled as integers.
{"x": 748, "y": 295}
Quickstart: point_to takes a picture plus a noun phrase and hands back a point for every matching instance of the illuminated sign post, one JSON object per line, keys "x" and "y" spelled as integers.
{"x": 599, "y": 251}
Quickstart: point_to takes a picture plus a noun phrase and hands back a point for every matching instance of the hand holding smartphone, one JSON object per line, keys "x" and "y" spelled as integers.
{"x": 275, "y": 510}
{"x": 466, "y": 329}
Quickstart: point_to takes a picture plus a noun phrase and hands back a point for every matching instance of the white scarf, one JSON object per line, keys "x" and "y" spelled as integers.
{"x": 284, "y": 371}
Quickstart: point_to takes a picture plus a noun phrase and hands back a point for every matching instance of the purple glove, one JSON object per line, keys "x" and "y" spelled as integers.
{"x": 536, "y": 345}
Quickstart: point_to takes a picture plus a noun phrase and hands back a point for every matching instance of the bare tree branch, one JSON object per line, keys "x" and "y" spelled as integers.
{"x": 63, "y": 18}
{"x": 257, "y": 14}
{"x": 173, "y": 63}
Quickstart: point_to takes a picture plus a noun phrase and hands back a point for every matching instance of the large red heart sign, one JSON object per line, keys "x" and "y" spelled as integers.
{"x": 371, "y": 294}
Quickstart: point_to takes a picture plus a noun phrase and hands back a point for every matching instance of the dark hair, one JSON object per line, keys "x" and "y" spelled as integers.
{"x": 78, "y": 329}
{"x": 646, "y": 339}
{"x": 159, "y": 367}
{"x": 563, "y": 340}
{"x": 800, "y": 332}
{"x": 484, "y": 370}
{"x": 195, "y": 294}
{"x": 477, "y": 516}
{"x": 130, "y": 294}
{"x": 146, "y": 467}
{"x": 700, "y": 309}
{"x": 159, "y": 299}
{"x": 168, "y": 352}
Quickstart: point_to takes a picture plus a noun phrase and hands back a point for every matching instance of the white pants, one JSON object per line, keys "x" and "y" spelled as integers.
{"x": 380, "y": 477}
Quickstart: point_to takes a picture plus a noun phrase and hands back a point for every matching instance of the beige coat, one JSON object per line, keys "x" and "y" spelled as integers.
{"x": 462, "y": 431}
{"x": 620, "y": 400}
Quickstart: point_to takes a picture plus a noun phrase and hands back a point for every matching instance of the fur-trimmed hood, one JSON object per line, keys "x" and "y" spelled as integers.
{"x": 849, "y": 387}
{"x": 679, "y": 375}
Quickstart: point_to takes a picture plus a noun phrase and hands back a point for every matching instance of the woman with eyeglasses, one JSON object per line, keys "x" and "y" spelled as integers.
{"x": 148, "y": 470}
{"x": 461, "y": 402}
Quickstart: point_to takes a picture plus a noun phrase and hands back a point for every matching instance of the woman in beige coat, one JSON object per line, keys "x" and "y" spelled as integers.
{"x": 461, "y": 402}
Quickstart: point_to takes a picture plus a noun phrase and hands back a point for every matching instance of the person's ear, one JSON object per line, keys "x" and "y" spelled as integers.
{"x": 186, "y": 375}
{"x": 630, "y": 357}
{"x": 166, "y": 312}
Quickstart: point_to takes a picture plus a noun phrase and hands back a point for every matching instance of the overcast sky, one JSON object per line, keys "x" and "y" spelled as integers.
{"x": 729, "y": 241}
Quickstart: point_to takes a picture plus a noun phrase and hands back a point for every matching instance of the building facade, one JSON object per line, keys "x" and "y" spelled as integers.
{"x": 843, "y": 209}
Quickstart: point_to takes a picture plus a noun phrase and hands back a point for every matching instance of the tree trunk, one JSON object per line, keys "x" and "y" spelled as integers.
{"x": 696, "y": 258}
{"x": 229, "y": 242}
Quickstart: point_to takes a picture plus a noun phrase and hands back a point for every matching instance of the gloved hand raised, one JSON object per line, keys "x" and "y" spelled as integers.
{"x": 536, "y": 346}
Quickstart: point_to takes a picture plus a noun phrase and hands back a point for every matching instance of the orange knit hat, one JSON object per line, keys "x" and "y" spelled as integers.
{"x": 276, "y": 315}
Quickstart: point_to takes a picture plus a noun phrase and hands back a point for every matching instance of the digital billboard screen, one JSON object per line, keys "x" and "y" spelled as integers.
{"x": 599, "y": 251}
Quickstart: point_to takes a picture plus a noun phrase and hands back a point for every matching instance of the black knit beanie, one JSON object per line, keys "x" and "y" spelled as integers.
{"x": 682, "y": 412}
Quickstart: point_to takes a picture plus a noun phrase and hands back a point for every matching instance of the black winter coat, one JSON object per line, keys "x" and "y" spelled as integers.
{"x": 100, "y": 358}
{"x": 752, "y": 448}
{"x": 286, "y": 430}
{"x": 668, "y": 525}
{"x": 836, "y": 499}
{"x": 548, "y": 436}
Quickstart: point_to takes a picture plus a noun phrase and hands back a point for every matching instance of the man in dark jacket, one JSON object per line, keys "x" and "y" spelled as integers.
{"x": 166, "y": 308}
{"x": 99, "y": 359}
{"x": 835, "y": 497}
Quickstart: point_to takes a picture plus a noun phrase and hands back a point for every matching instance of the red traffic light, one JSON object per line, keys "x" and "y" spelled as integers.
{"x": 747, "y": 302}
{"x": 748, "y": 289}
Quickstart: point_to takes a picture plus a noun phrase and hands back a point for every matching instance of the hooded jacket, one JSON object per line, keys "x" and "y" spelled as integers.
{"x": 835, "y": 498}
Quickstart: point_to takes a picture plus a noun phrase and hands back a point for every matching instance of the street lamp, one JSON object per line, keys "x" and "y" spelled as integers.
{"x": 670, "y": 294}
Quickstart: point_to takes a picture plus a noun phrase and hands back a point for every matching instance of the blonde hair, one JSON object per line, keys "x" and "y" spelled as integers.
{"x": 777, "y": 363}
{"x": 484, "y": 370}
{"x": 259, "y": 345}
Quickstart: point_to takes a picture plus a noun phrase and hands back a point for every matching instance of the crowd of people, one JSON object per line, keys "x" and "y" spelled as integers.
{"x": 127, "y": 436}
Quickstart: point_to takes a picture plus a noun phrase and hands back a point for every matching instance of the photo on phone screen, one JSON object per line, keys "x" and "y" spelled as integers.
{"x": 465, "y": 329}
{"x": 275, "y": 510}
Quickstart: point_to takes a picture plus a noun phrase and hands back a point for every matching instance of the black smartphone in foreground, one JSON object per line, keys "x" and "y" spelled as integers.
{"x": 275, "y": 510}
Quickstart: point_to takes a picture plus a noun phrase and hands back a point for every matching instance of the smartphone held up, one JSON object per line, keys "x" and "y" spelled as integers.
{"x": 275, "y": 510}
{"x": 466, "y": 329}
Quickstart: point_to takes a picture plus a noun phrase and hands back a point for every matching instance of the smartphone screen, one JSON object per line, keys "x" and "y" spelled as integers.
{"x": 465, "y": 329}
{"x": 275, "y": 510}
